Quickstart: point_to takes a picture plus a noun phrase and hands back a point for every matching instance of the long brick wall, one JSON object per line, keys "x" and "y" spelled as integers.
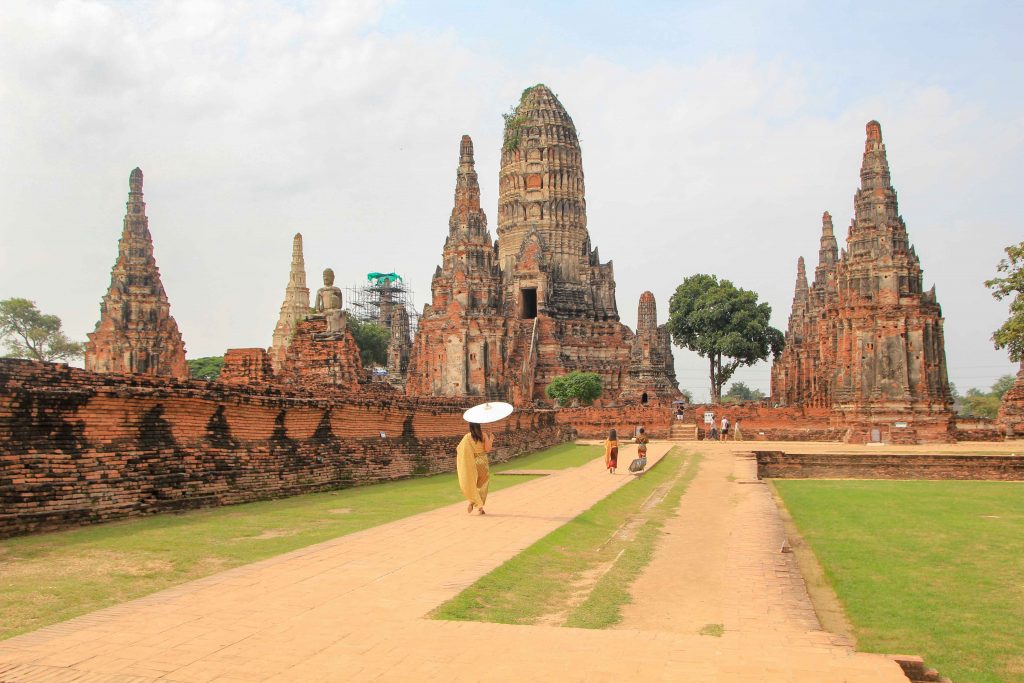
{"x": 781, "y": 465}
{"x": 758, "y": 422}
{"x": 78, "y": 447}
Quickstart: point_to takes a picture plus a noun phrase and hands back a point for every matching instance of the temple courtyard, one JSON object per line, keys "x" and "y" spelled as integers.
{"x": 721, "y": 599}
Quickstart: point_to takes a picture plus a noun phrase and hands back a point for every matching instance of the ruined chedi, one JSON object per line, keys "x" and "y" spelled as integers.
{"x": 294, "y": 308}
{"x": 459, "y": 348}
{"x": 865, "y": 339}
{"x": 506, "y": 318}
{"x": 136, "y": 332}
{"x": 652, "y": 373}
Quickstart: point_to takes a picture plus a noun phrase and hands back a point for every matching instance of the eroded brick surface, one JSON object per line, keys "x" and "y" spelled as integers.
{"x": 79, "y": 447}
{"x": 865, "y": 339}
{"x": 136, "y": 332}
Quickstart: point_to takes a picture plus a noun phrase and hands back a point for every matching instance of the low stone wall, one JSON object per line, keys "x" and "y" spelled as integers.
{"x": 781, "y": 465}
{"x": 594, "y": 422}
{"x": 978, "y": 429}
{"x": 78, "y": 447}
{"x": 758, "y": 422}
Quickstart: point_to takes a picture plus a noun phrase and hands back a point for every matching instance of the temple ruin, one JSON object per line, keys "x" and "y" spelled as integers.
{"x": 652, "y": 372}
{"x": 506, "y": 317}
{"x": 294, "y": 308}
{"x": 136, "y": 332}
{"x": 865, "y": 339}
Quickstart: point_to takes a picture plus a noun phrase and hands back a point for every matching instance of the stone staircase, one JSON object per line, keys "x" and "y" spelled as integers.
{"x": 682, "y": 430}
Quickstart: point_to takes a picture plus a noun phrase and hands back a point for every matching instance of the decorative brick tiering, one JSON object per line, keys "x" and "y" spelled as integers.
{"x": 245, "y": 366}
{"x": 294, "y": 308}
{"x": 1011, "y": 409}
{"x": 781, "y": 465}
{"x": 321, "y": 364}
{"x": 78, "y": 447}
{"x": 135, "y": 332}
{"x": 865, "y": 339}
{"x": 652, "y": 374}
{"x": 509, "y": 316}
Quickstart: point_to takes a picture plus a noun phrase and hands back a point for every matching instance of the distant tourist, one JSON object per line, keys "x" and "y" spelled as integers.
{"x": 473, "y": 467}
{"x": 737, "y": 435}
{"x": 725, "y": 428}
{"x": 713, "y": 436}
{"x": 641, "y": 442}
{"x": 611, "y": 451}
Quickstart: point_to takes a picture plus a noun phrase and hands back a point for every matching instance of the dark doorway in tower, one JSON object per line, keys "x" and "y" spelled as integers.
{"x": 643, "y": 398}
{"x": 529, "y": 303}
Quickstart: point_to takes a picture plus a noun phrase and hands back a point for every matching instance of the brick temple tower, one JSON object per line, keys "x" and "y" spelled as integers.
{"x": 294, "y": 308}
{"x": 136, "y": 332}
{"x": 459, "y": 346}
{"x": 652, "y": 373}
{"x": 866, "y": 339}
{"x": 507, "y": 318}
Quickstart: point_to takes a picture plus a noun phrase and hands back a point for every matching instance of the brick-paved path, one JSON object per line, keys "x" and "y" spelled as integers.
{"x": 351, "y": 609}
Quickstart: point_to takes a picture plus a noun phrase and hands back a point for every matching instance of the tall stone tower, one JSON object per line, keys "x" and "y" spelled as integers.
{"x": 294, "y": 308}
{"x": 652, "y": 373}
{"x": 136, "y": 332}
{"x": 867, "y": 339}
{"x": 542, "y": 209}
{"x": 459, "y": 347}
{"x": 509, "y": 317}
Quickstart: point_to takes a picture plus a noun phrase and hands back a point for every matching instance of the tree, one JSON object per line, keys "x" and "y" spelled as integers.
{"x": 724, "y": 324}
{"x": 1011, "y": 335}
{"x": 978, "y": 403}
{"x": 739, "y": 391}
{"x": 207, "y": 367}
{"x": 582, "y": 387}
{"x": 372, "y": 340}
{"x": 29, "y": 333}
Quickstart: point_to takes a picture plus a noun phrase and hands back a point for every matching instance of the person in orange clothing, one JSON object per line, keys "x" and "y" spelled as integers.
{"x": 611, "y": 451}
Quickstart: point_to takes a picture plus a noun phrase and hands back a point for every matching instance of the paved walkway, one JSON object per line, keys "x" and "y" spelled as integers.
{"x": 352, "y": 609}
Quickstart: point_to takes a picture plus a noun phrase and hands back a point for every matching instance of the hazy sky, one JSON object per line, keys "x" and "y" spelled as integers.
{"x": 714, "y": 135}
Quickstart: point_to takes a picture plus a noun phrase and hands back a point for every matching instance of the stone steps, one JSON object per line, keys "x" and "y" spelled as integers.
{"x": 686, "y": 431}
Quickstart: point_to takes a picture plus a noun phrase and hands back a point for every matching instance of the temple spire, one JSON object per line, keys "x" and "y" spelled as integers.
{"x": 135, "y": 332}
{"x": 800, "y": 292}
{"x": 467, "y": 187}
{"x": 828, "y": 251}
{"x": 874, "y": 170}
{"x": 294, "y": 308}
{"x": 647, "y": 313}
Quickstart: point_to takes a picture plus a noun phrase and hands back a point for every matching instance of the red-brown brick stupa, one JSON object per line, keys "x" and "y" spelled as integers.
{"x": 865, "y": 338}
{"x": 508, "y": 317}
{"x": 136, "y": 332}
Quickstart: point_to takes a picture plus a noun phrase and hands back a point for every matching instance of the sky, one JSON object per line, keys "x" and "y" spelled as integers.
{"x": 714, "y": 135}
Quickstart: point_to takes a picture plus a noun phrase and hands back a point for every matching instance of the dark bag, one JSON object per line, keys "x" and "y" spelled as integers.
{"x": 638, "y": 464}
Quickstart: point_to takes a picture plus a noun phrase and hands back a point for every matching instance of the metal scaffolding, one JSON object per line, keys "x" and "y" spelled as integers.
{"x": 376, "y": 299}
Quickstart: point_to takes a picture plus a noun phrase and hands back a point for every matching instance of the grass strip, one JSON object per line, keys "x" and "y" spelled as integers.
{"x": 47, "y": 578}
{"x": 932, "y": 568}
{"x": 579, "y": 574}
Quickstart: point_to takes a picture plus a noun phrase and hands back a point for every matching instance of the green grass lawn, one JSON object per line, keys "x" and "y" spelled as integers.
{"x": 554, "y": 458}
{"x": 933, "y": 568}
{"x": 51, "y": 577}
{"x": 580, "y": 574}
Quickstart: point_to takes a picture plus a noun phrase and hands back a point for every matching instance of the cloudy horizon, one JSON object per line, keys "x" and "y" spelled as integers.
{"x": 714, "y": 135}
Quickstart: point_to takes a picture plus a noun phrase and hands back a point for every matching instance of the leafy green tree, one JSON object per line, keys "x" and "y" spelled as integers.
{"x": 739, "y": 391}
{"x": 1002, "y": 385}
{"x": 29, "y": 333}
{"x": 207, "y": 367}
{"x": 978, "y": 403}
{"x": 724, "y": 324}
{"x": 580, "y": 387}
{"x": 372, "y": 340}
{"x": 1011, "y": 335}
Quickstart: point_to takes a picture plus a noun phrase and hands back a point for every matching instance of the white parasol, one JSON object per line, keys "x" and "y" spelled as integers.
{"x": 488, "y": 412}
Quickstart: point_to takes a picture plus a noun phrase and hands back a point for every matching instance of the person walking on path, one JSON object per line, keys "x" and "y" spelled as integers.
{"x": 611, "y": 451}
{"x": 737, "y": 435}
{"x": 725, "y": 428}
{"x": 641, "y": 443}
{"x": 473, "y": 467}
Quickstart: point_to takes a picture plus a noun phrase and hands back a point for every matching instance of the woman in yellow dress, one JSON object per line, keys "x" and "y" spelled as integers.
{"x": 472, "y": 466}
